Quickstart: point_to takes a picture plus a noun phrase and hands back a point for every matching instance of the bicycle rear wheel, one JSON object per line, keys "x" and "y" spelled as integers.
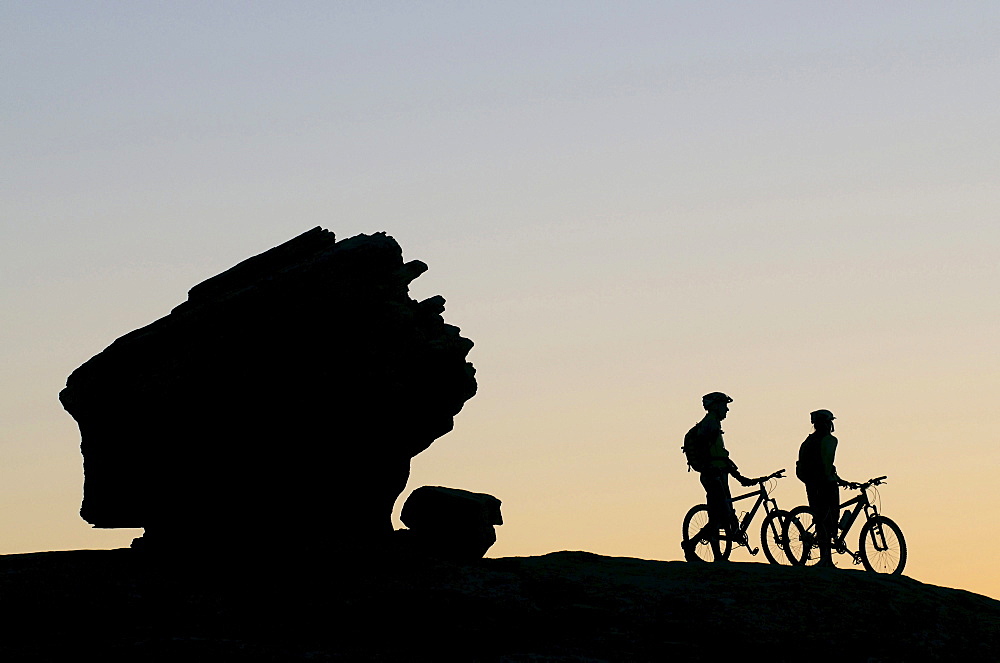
{"x": 708, "y": 549}
{"x": 800, "y": 536}
{"x": 882, "y": 546}
{"x": 773, "y": 538}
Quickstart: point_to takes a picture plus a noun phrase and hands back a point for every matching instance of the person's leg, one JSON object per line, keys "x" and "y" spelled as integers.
{"x": 716, "y": 517}
{"x": 727, "y": 514}
{"x": 819, "y": 503}
{"x": 833, "y": 510}
{"x": 720, "y": 506}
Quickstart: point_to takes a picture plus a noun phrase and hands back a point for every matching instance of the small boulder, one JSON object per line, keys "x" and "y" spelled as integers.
{"x": 451, "y": 523}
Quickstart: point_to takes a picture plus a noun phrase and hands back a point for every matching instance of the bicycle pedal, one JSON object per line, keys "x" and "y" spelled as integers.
{"x": 753, "y": 551}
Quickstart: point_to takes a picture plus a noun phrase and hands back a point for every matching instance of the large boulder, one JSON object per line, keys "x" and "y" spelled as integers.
{"x": 280, "y": 404}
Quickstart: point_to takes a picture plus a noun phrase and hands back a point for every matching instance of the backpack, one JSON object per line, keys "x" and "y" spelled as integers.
{"x": 696, "y": 444}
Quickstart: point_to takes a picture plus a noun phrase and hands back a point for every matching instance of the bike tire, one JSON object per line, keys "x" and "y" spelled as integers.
{"x": 773, "y": 538}
{"x": 882, "y": 546}
{"x": 707, "y": 551}
{"x": 799, "y": 534}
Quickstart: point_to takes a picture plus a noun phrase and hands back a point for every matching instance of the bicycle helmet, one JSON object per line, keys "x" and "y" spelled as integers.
{"x": 708, "y": 400}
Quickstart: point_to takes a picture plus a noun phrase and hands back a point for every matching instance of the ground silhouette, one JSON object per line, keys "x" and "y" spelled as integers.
{"x": 566, "y": 606}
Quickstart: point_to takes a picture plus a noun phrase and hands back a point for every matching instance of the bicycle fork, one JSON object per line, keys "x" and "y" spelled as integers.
{"x": 877, "y": 533}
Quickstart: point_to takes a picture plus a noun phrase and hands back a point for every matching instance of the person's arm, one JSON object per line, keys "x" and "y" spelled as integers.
{"x": 735, "y": 471}
{"x": 718, "y": 452}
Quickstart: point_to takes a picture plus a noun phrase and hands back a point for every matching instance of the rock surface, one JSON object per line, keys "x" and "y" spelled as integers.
{"x": 289, "y": 392}
{"x": 562, "y": 607}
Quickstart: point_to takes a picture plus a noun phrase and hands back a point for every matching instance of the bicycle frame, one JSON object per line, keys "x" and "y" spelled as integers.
{"x": 703, "y": 538}
{"x": 769, "y": 503}
{"x": 882, "y": 547}
{"x": 861, "y": 503}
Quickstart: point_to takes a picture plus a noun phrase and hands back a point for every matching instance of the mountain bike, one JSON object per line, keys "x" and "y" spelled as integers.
{"x": 881, "y": 546}
{"x": 772, "y": 531}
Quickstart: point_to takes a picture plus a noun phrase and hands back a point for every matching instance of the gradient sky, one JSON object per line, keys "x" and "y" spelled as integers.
{"x": 626, "y": 205}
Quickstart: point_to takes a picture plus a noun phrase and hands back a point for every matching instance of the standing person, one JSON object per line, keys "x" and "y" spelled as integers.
{"x": 708, "y": 455}
{"x": 816, "y": 470}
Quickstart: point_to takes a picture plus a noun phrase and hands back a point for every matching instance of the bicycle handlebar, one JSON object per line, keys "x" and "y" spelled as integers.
{"x": 877, "y": 481}
{"x": 780, "y": 474}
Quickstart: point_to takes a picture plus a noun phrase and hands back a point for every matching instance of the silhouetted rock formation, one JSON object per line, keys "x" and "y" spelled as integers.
{"x": 562, "y": 607}
{"x": 279, "y": 405}
{"x": 451, "y": 523}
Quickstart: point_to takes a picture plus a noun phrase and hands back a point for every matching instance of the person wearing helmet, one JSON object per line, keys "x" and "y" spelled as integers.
{"x": 714, "y": 471}
{"x": 816, "y": 470}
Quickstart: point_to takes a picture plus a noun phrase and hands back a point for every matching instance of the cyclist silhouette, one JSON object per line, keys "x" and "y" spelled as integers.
{"x": 816, "y": 470}
{"x": 714, "y": 468}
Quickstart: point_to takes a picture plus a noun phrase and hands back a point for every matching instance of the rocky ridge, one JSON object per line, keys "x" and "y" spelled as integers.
{"x": 565, "y": 606}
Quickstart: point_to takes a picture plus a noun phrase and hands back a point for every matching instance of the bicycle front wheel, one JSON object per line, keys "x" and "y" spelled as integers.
{"x": 800, "y": 538}
{"x": 709, "y": 549}
{"x": 773, "y": 538}
{"x": 883, "y": 548}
